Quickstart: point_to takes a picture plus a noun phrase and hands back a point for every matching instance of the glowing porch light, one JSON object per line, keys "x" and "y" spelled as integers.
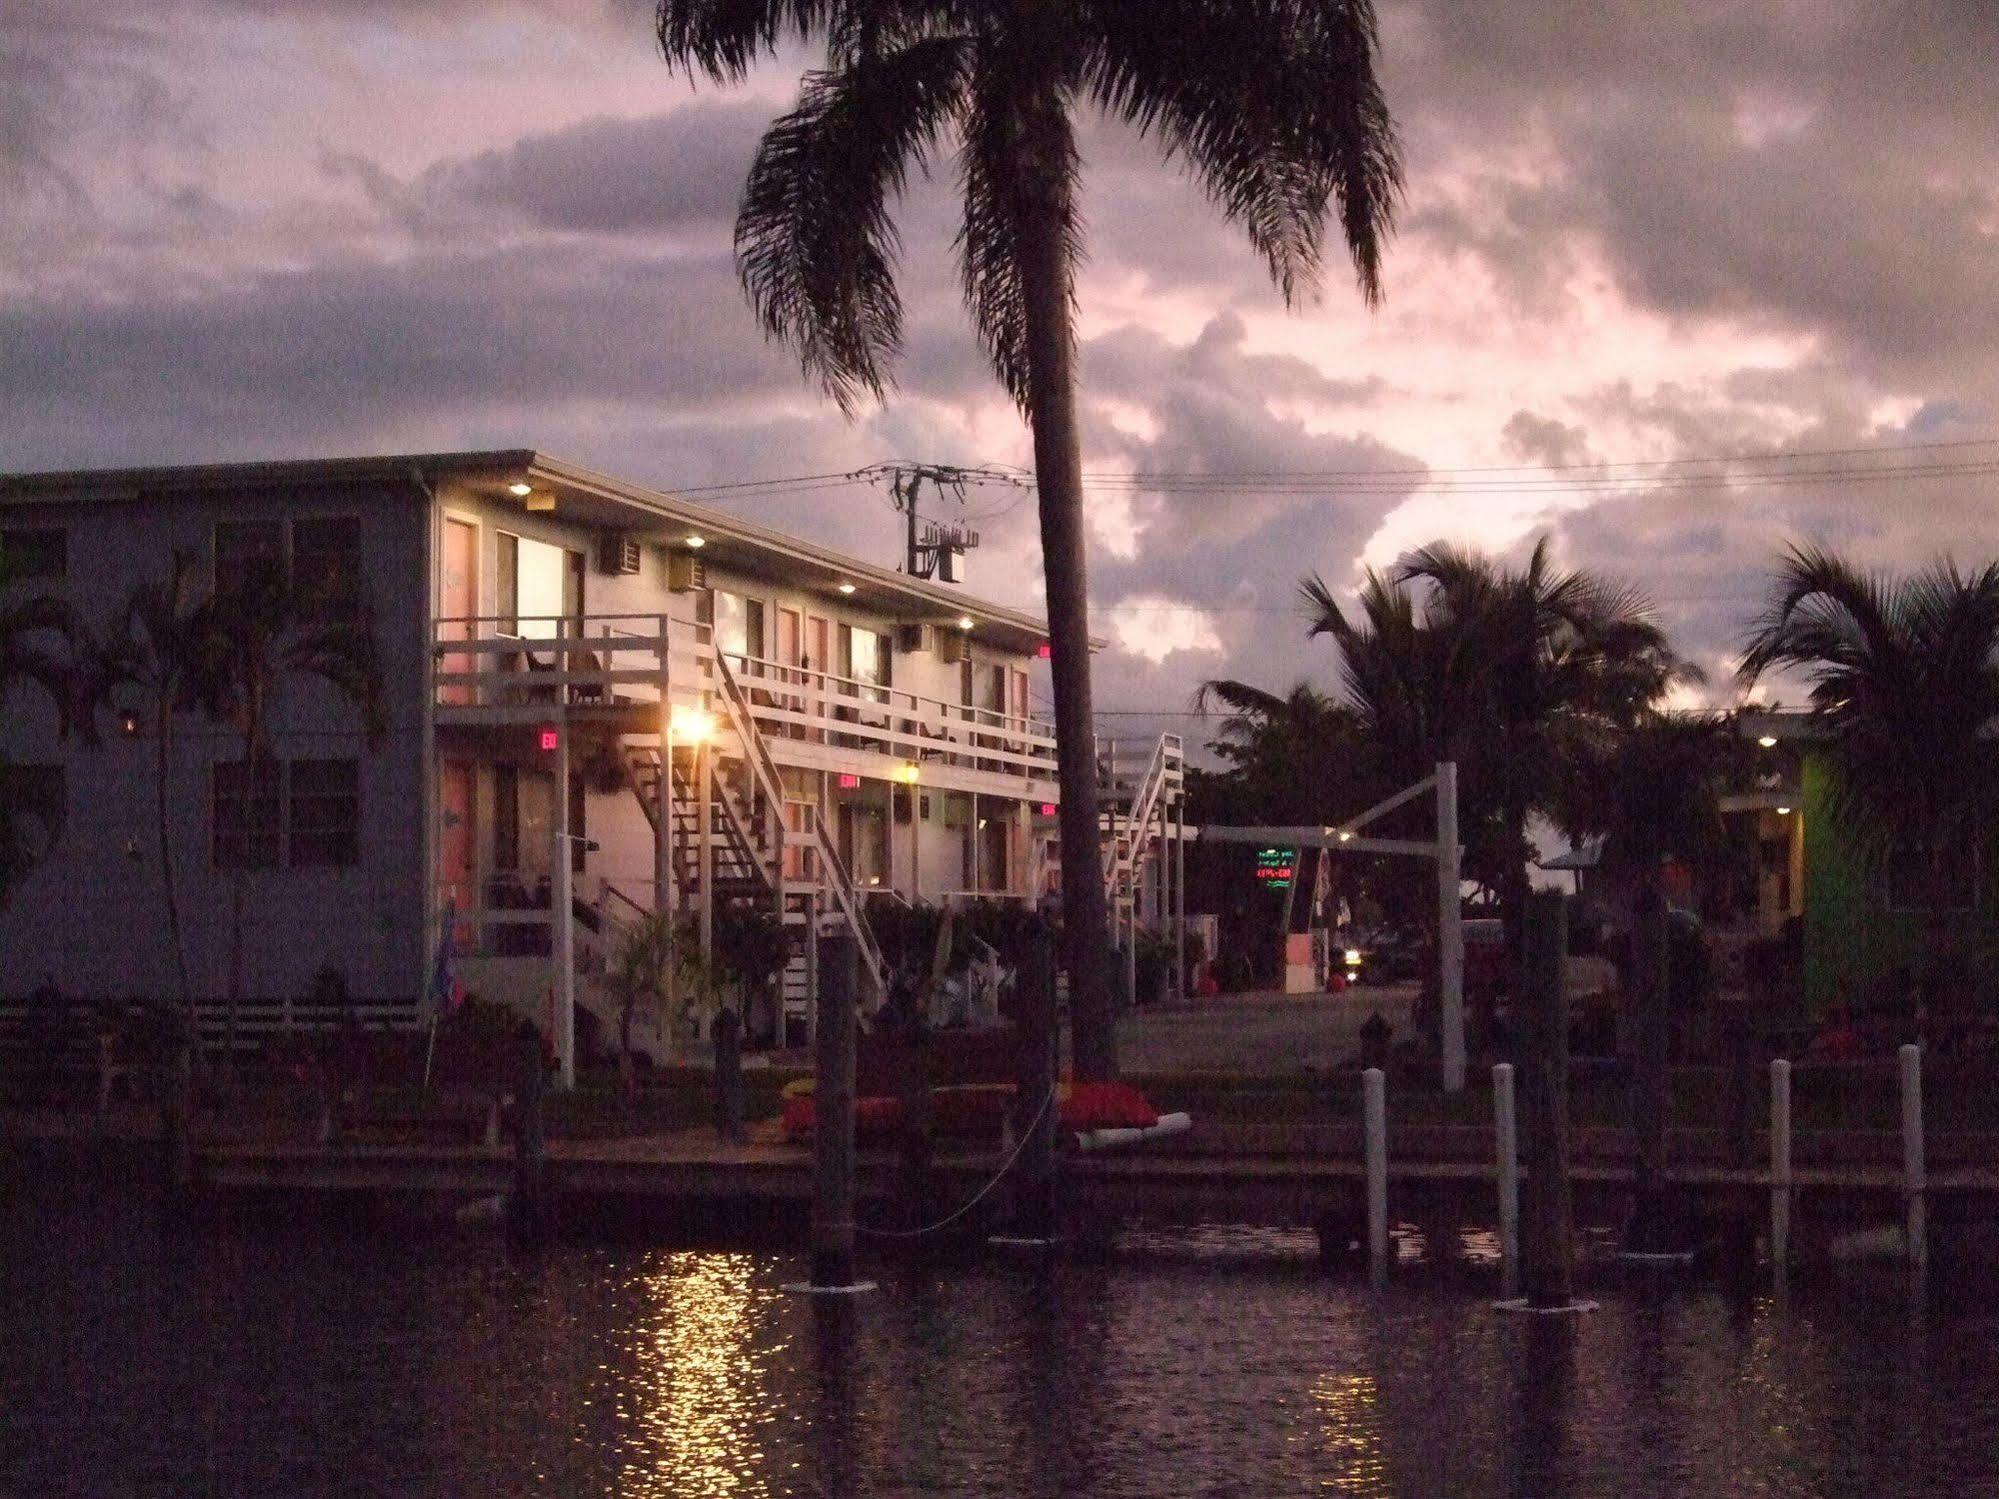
{"x": 1783, "y": 811}
{"x": 690, "y": 725}
{"x": 1346, "y": 836}
{"x": 964, "y": 621}
{"x": 906, "y": 773}
{"x": 520, "y": 489}
{"x": 846, "y": 588}
{"x": 1767, "y": 741}
{"x": 696, "y": 541}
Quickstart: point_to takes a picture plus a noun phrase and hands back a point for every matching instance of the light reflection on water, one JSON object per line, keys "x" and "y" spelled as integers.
{"x": 1217, "y": 1361}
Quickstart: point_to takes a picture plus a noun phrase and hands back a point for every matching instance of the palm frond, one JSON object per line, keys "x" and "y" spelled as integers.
{"x": 815, "y": 243}
{"x": 724, "y": 38}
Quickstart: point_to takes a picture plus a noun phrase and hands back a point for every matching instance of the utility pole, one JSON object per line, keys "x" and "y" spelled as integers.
{"x": 933, "y": 549}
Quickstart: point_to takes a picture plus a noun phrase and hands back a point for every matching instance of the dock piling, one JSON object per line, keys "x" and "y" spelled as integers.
{"x": 1780, "y": 1167}
{"x": 1914, "y": 1183}
{"x": 1374, "y": 1115}
{"x": 529, "y": 1206}
{"x": 1508, "y": 1141}
{"x": 833, "y": 1119}
{"x": 1547, "y": 1268}
{"x": 1035, "y": 1219}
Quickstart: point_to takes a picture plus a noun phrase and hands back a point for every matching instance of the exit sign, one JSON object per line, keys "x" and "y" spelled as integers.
{"x": 1276, "y": 868}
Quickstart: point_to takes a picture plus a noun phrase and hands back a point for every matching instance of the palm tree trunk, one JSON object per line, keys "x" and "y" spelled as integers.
{"x": 1045, "y": 213}
{"x": 162, "y": 763}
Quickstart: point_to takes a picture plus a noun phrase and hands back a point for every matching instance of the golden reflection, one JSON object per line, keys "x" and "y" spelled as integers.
{"x": 1350, "y": 1414}
{"x": 698, "y": 1394}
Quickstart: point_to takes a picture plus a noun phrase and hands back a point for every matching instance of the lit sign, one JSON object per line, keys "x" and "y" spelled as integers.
{"x": 1048, "y": 809}
{"x": 1275, "y": 868}
{"x": 849, "y": 782}
{"x": 1045, "y": 651}
{"x": 551, "y": 740}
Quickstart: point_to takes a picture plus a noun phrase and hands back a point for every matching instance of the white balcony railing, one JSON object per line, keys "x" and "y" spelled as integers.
{"x": 491, "y": 668}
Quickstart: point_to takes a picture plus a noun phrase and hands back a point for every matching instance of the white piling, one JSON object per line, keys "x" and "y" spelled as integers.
{"x": 1780, "y": 1166}
{"x": 1505, "y": 1128}
{"x": 1374, "y": 1119}
{"x": 1914, "y": 1183}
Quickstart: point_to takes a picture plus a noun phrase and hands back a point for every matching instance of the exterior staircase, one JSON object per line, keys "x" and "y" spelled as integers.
{"x": 1131, "y": 802}
{"x": 760, "y": 860}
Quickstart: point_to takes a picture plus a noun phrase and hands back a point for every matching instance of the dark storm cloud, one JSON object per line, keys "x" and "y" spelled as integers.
{"x": 473, "y": 344}
{"x": 679, "y": 171}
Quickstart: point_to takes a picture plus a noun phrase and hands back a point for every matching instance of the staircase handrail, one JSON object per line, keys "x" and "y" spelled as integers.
{"x": 841, "y": 885}
{"x": 1126, "y": 829}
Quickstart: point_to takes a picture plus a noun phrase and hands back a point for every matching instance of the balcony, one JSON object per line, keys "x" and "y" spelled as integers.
{"x": 620, "y": 668}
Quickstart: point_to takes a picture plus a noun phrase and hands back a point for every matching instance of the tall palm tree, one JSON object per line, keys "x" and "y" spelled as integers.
{"x": 248, "y": 641}
{"x": 1273, "y": 106}
{"x": 1293, "y": 758}
{"x": 1904, "y": 676}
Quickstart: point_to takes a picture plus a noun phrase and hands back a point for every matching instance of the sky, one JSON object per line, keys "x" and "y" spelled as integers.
{"x": 1632, "y": 233}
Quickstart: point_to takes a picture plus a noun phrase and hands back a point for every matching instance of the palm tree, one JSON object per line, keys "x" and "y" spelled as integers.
{"x": 1518, "y": 675}
{"x": 246, "y": 643}
{"x": 1293, "y": 758}
{"x": 1274, "y": 107}
{"x": 155, "y": 647}
{"x": 1904, "y": 676}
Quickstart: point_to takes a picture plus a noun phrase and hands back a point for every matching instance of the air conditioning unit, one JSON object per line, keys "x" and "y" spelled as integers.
{"x": 912, "y": 637}
{"x": 684, "y": 572}
{"x": 618, "y": 554}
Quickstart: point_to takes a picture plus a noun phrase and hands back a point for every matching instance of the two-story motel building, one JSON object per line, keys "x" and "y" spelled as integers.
{"x": 599, "y": 698}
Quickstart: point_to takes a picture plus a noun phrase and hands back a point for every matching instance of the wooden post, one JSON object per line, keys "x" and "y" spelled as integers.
{"x": 1035, "y": 1215}
{"x": 563, "y": 918}
{"x": 1504, "y": 1127}
{"x": 728, "y": 1077}
{"x": 1914, "y": 1182}
{"x": 1780, "y": 1167}
{"x": 1648, "y": 1231}
{"x": 1548, "y": 1235}
{"x": 1450, "y": 931}
{"x": 528, "y": 1214}
{"x": 913, "y": 1185}
{"x": 833, "y": 1117}
{"x": 1374, "y": 1123}
{"x": 704, "y": 833}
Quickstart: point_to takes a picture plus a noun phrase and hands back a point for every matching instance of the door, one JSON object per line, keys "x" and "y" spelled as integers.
{"x": 790, "y": 648}
{"x": 819, "y": 662}
{"x": 458, "y": 600}
{"x": 455, "y": 875}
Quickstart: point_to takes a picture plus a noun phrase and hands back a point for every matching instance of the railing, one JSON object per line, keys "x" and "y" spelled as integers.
{"x": 834, "y": 879}
{"x": 1131, "y": 829}
{"x": 487, "y": 666}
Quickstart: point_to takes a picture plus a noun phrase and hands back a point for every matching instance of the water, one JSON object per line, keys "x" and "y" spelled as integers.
{"x": 354, "y": 1360}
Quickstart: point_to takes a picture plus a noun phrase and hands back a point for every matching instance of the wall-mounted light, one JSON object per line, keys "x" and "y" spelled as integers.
{"x": 906, "y": 773}
{"x": 964, "y": 621}
{"x": 696, "y": 541}
{"x": 1768, "y": 741}
{"x": 846, "y": 588}
{"x": 690, "y": 725}
{"x": 1346, "y": 835}
{"x": 128, "y": 724}
{"x": 520, "y": 489}
{"x": 1783, "y": 811}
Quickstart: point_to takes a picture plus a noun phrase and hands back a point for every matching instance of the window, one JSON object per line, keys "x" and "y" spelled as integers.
{"x": 739, "y": 624}
{"x": 540, "y": 585}
{"x": 249, "y": 554}
{"x": 326, "y": 562}
{"x": 247, "y": 814}
{"x": 866, "y": 656}
{"x": 325, "y": 812}
{"x": 33, "y": 797}
{"x": 302, "y": 813}
{"x": 39, "y": 552}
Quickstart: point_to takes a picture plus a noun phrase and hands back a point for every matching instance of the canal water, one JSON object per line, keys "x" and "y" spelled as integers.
{"x": 359, "y": 1359}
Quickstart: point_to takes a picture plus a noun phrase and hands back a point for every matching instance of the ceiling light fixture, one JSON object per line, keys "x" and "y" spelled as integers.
{"x": 520, "y": 489}
{"x": 964, "y": 621}
{"x": 696, "y": 542}
{"x": 1768, "y": 741}
{"x": 846, "y": 588}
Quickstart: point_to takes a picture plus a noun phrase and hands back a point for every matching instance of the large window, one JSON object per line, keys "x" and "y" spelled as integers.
{"x": 320, "y": 555}
{"x": 865, "y": 656}
{"x": 37, "y": 552}
{"x": 301, "y": 813}
{"x": 739, "y": 624}
{"x": 540, "y": 585}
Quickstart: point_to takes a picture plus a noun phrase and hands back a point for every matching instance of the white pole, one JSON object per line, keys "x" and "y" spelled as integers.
{"x": 1180, "y": 898}
{"x": 1450, "y": 930}
{"x": 1913, "y": 1178}
{"x": 1780, "y": 1166}
{"x": 1374, "y": 1116}
{"x": 704, "y": 832}
{"x": 1505, "y": 1128}
{"x": 563, "y": 919}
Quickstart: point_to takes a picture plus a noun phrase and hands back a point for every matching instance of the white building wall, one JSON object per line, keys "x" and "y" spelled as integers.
{"x": 91, "y": 919}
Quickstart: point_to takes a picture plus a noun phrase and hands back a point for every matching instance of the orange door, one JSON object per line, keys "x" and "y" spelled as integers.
{"x": 455, "y": 845}
{"x": 458, "y": 600}
{"x": 819, "y": 660}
